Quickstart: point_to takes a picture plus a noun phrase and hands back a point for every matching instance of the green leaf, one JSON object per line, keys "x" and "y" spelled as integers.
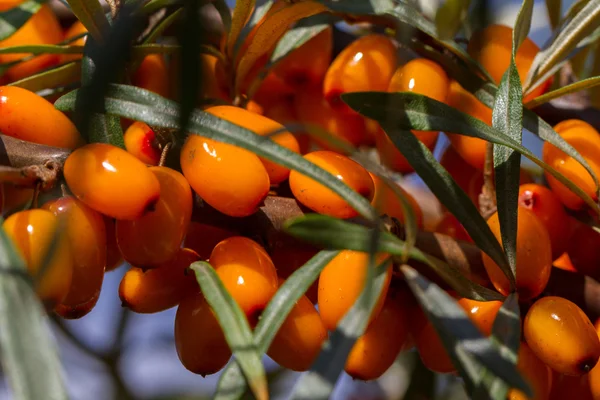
{"x": 412, "y": 111}
{"x": 142, "y": 105}
{"x": 304, "y": 30}
{"x": 13, "y": 19}
{"x": 232, "y": 384}
{"x": 61, "y": 76}
{"x": 463, "y": 342}
{"x": 235, "y": 327}
{"x": 506, "y": 329}
{"x": 563, "y": 91}
{"x": 91, "y": 14}
{"x": 554, "y": 7}
{"x": 522, "y": 25}
{"x": 333, "y": 233}
{"x": 359, "y": 7}
{"x": 450, "y": 16}
{"x": 319, "y": 382}
{"x": 29, "y": 355}
{"x": 241, "y": 14}
{"x": 42, "y": 49}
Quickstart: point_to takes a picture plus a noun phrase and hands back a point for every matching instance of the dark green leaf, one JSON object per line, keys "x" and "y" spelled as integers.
{"x": 164, "y": 24}
{"x": 232, "y": 384}
{"x": 29, "y": 355}
{"x": 554, "y": 7}
{"x": 522, "y": 25}
{"x": 450, "y": 16}
{"x": 91, "y": 14}
{"x": 506, "y": 329}
{"x": 235, "y": 327}
{"x": 42, "y": 49}
{"x": 142, "y": 105}
{"x": 304, "y": 30}
{"x": 338, "y": 234}
{"x": 61, "y": 76}
{"x": 12, "y": 19}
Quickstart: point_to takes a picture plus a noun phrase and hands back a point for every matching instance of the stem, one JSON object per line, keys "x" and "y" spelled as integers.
{"x": 487, "y": 197}
{"x": 164, "y": 154}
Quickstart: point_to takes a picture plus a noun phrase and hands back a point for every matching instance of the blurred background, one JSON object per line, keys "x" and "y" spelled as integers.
{"x": 141, "y": 347}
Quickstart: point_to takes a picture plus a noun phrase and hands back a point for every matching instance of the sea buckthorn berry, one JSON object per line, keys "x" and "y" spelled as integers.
{"x": 111, "y": 181}
{"x": 199, "y": 339}
{"x": 231, "y": 179}
{"x": 33, "y": 234}
{"x": 160, "y": 288}
{"x": 247, "y": 273}
{"x": 254, "y": 107}
{"x": 535, "y": 372}
{"x": 152, "y": 75}
{"x": 155, "y": 238}
{"x": 15, "y": 198}
{"x": 471, "y": 149}
{"x": 492, "y": 48}
{"x": 481, "y": 313}
{"x": 307, "y": 64}
{"x": 288, "y": 254}
{"x": 213, "y": 79}
{"x": 463, "y": 173}
{"x": 262, "y": 126}
{"x": 583, "y": 249}
{"x": 564, "y": 262}
{"x": 534, "y": 256}
{"x": 586, "y": 141}
{"x": 203, "y": 238}
{"x": 27, "y": 116}
{"x": 570, "y": 387}
{"x": 74, "y": 30}
{"x": 549, "y": 210}
{"x": 285, "y": 113}
{"x": 86, "y": 233}
{"x": 562, "y": 336}
{"x": 299, "y": 340}
{"x": 367, "y": 64}
{"x": 421, "y": 76}
{"x": 42, "y": 28}
{"x": 313, "y": 110}
{"x": 449, "y": 225}
{"x": 428, "y": 343}
{"x": 594, "y": 375}
{"x": 386, "y": 201}
{"x": 114, "y": 258}
{"x": 341, "y": 283}
{"x": 140, "y": 140}
{"x": 392, "y": 157}
{"x": 321, "y": 199}
{"x": 375, "y": 351}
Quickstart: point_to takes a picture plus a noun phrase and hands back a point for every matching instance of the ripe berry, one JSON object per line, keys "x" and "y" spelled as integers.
{"x": 203, "y": 238}
{"x": 213, "y": 79}
{"x": 341, "y": 283}
{"x": 86, "y": 233}
{"x": 288, "y": 254}
{"x": 449, "y": 225}
{"x": 28, "y": 116}
{"x": 481, "y": 313}
{"x": 321, "y": 199}
{"x": 114, "y": 258}
{"x": 155, "y": 238}
{"x": 111, "y": 181}
{"x": 375, "y": 351}
{"x": 15, "y": 198}
{"x": 74, "y": 30}
{"x": 140, "y": 140}
{"x": 535, "y": 372}
{"x": 199, "y": 339}
{"x": 466, "y": 177}
{"x": 427, "y": 341}
{"x": 299, "y": 340}
{"x": 583, "y": 249}
{"x": 562, "y": 336}
{"x": 386, "y": 201}
{"x": 35, "y": 233}
{"x": 284, "y": 112}
{"x": 533, "y": 259}
{"x": 570, "y": 387}
{"x": 152, "y": 75}
{"x": 247, "y": 273}
{"x": 421, "y": 76}
{"x": 160, "y": 288}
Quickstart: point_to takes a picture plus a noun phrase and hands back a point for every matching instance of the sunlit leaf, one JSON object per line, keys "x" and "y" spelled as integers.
{"x": 63, "y": 75}
{"x": 450, "y": 16}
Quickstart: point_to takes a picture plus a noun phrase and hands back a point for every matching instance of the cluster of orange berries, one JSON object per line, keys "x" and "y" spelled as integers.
{"x": 125, "y": 206}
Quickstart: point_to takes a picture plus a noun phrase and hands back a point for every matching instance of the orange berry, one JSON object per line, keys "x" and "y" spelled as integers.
{"x": 247, "y": 273}
{"x": 320, "y": 198}
{"x": 341, "y": 283}
{"x": 570, "y": 387}
{"x": 299, "y": 340}
{"x": 421, "y": 76}
{"x": 375, "y": 351}
{"x": 114, "y": 258}
{"x": 289, "y": 254}
{"x": 213, "y": 79}
{"x": 152, "y": 75}
{"x": 160, "y": 288}
{"x": 492, "y": 48}
{"x": 586, "y": 140}
{"x": 254, "y": 107}
{"x": 33, "y": 234}
{"x": 284, "y": 112}
{"x": 427, "y": 341}
{"x": 583, "y": 249}
{"x": 393, "y": 158}
{"x": 231, "y": 179}
{"x": 535, "y": 372}
{"x": 313, "y": 110}
{"x": 15, "y": 198}
{"x": 140, "y": 140}
{"x": 534, "y": 257}
{"x": 386, "y": 201}
{"x": 367, "y": 64}
{"x": 481, "y": 313}
{"x": 156, "y": 237}
{"x": 271, "y": 90}
{"x": 449, "y": 225}
{"x": 467, "y": 178}
{"x": 199, "y": 339}
{"x": 27, "y": 116}
{"x": 86, "y": 233}
{"x": 471, "y": 149}
{"x": 562, "y": 336}
{"x": 547, "y": 207}
{"x": 42, "y": 28}
{"x": 564, "y": 262}
{"x": 203, "y": 238}
{"x": 74, "y": 30}
{"x": 111, "y": 181}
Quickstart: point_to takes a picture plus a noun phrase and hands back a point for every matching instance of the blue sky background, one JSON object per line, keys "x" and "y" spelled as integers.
{"x": 150, "y": 365}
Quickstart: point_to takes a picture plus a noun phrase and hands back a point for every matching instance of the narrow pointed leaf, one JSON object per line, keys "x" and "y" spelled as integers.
{"x": 235, "y": 327}
{"x": 61, "y": 76}
{"x": 563, "y": 91}
{"x": 14, "y": 18}
{"x": 232, "y": 384}
{"x": 91, "y": 14}
{"x": 300, "y": 34}
{"x": 506, "y": 329}
{"x": 450, "y": 16}
{"x": 241, "y": 14}
{"x": 42, "y": 49}
{"x": 29, "y": 355}
{"x": 554, "y": 8}
{"x": 360, "y": 7}
{"x": 522, "y": 25}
